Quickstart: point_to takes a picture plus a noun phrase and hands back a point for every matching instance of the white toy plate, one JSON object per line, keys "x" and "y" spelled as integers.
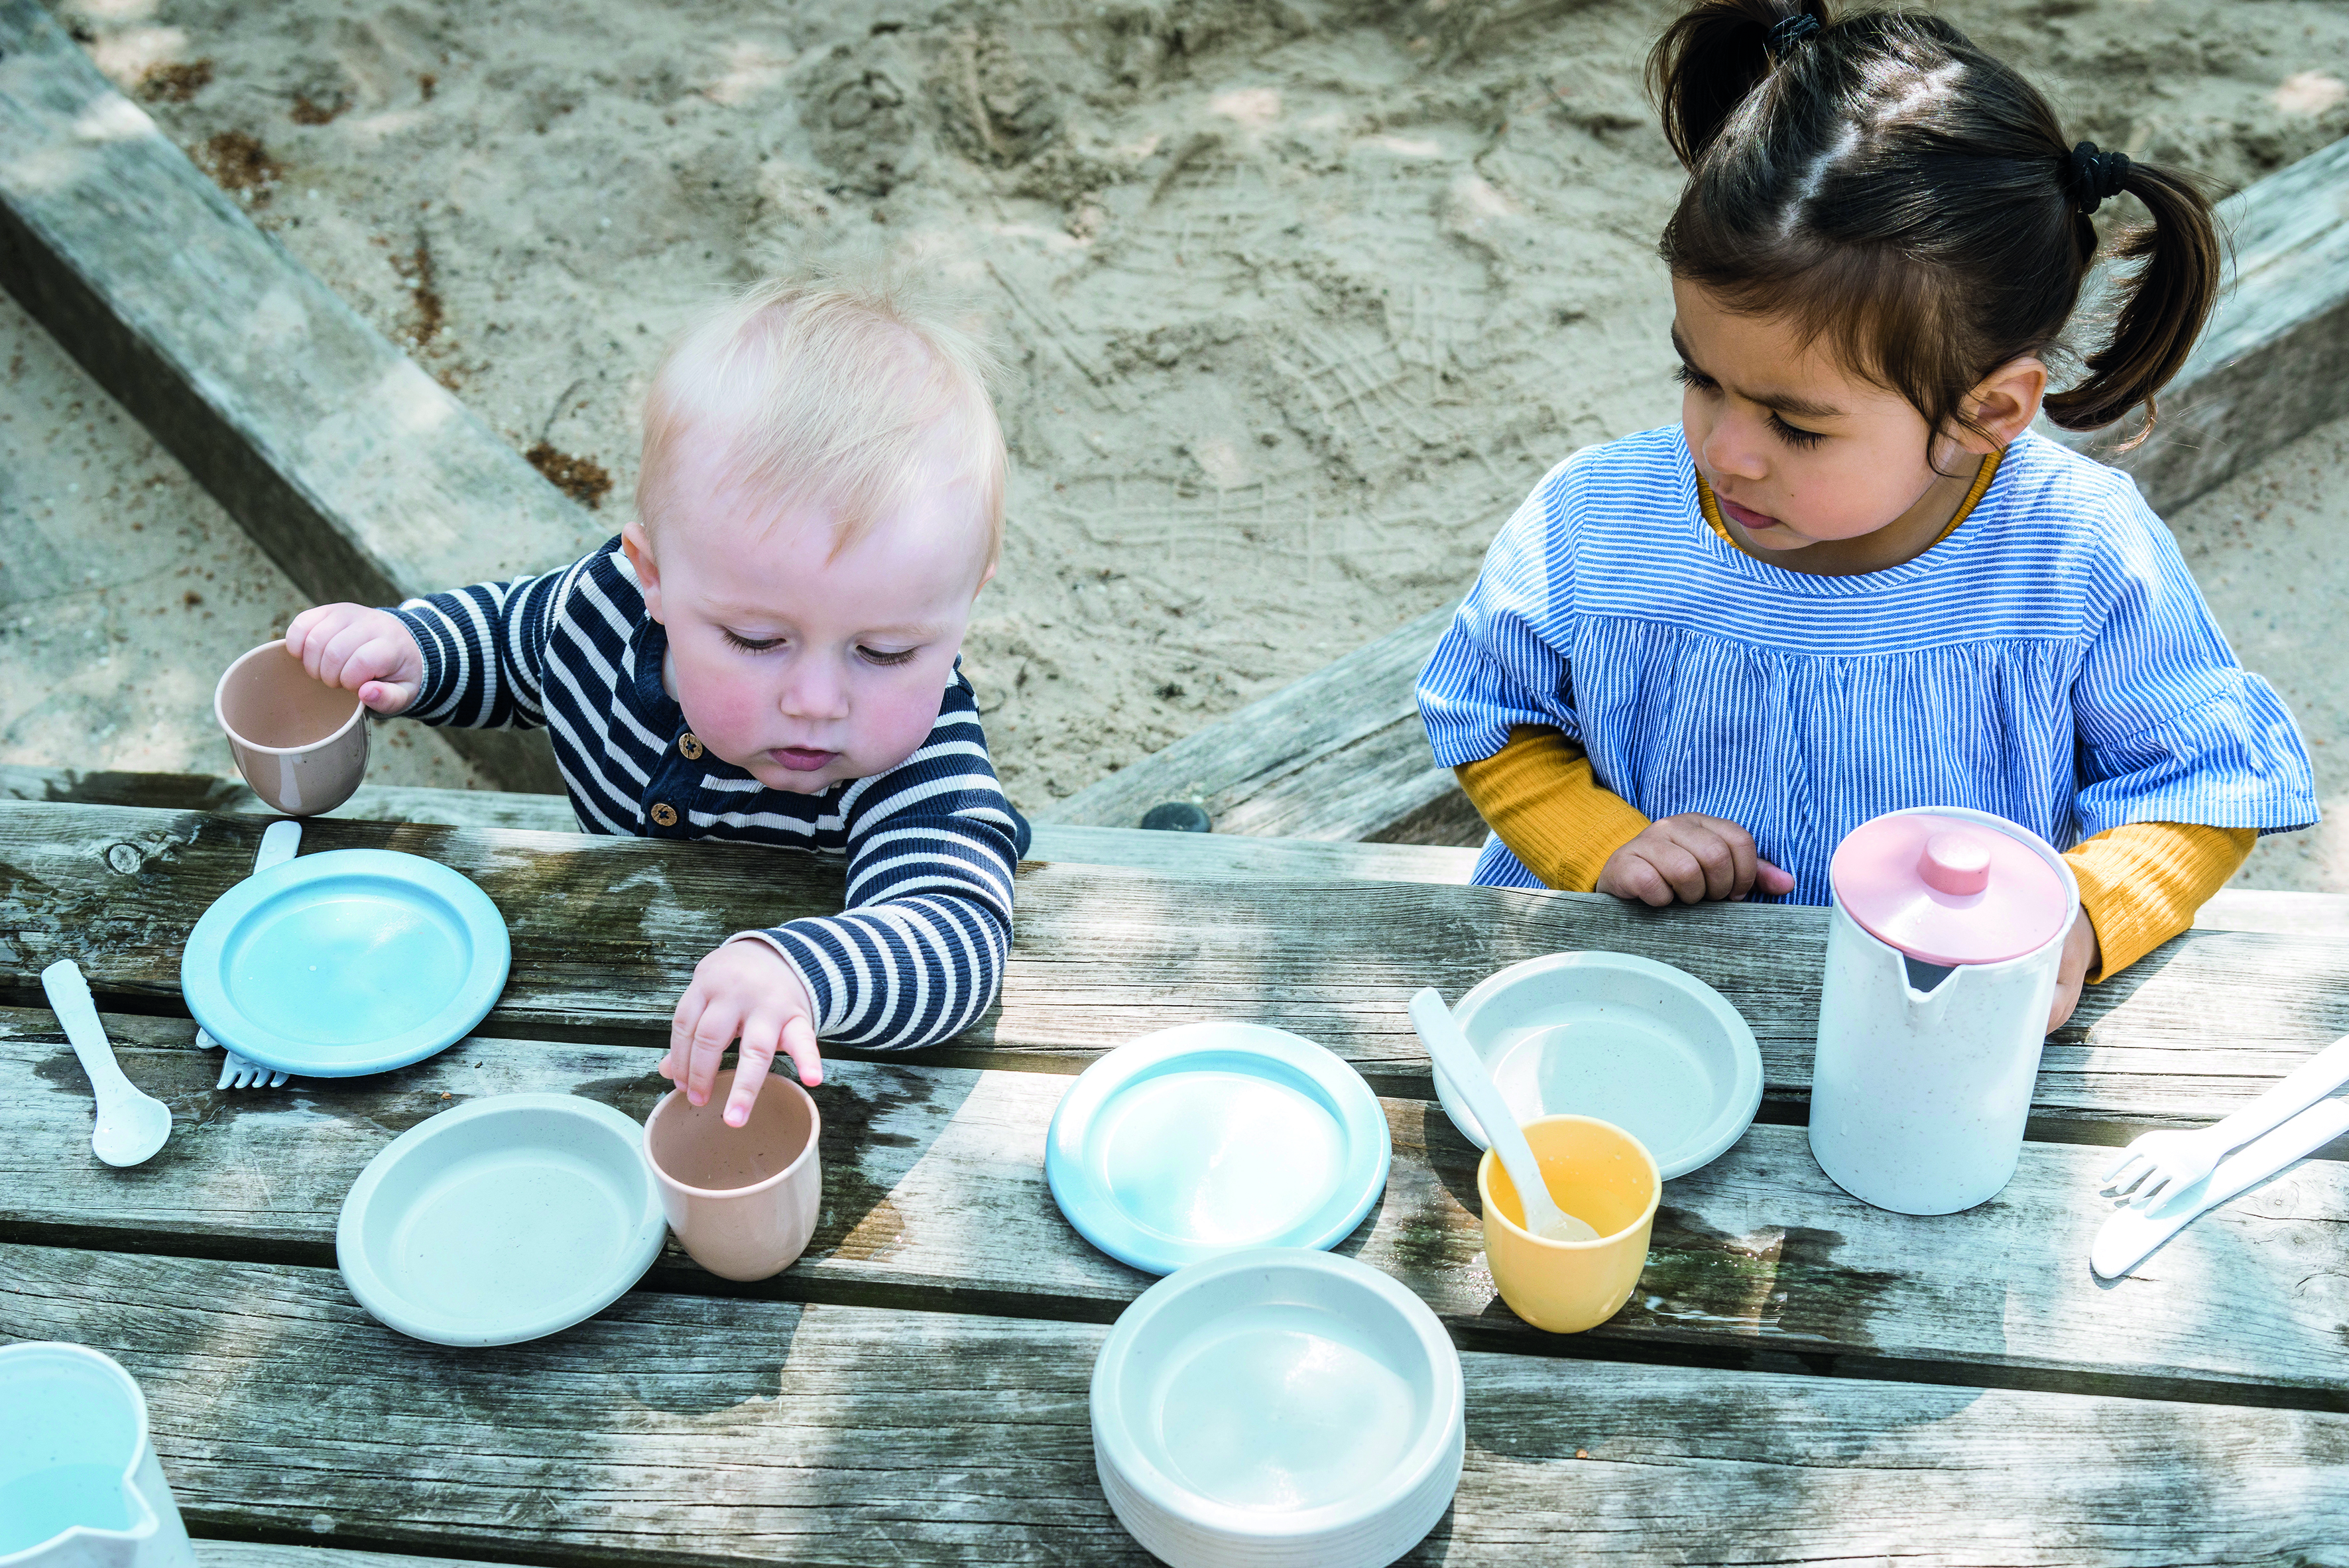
{"x": 1278, "y": 1406}
{"x": 1653, "y": 1049}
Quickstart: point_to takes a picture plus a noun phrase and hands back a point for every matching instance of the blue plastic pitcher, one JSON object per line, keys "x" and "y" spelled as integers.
{"x": 79, "y": 1483}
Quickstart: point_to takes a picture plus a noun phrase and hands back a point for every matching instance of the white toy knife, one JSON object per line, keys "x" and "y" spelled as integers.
{"x": 2132, "y": 1234}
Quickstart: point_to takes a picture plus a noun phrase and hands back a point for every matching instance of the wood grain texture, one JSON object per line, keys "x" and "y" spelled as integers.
{"x": 1339, "y": 755}
{"x": 2269, "y": 366}
{"x": 934, "y": 1197}
{"x": 357, "y": 473}
{"x": 1167, "y": 854}
{"x": 1173, "y": 854}
{"x": 711, "y": 1431}
{"x": 606, "y": 931}
{"x": 270, "y": 1554}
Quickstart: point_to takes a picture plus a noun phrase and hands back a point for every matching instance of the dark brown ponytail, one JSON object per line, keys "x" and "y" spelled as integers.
{"x": 1914, "y": 202}
{"x": 2175, "y": 285}
{"x": 1709, "y": 60}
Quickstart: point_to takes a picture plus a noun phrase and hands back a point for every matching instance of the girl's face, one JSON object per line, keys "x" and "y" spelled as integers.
{"x": 1821, "y": 468}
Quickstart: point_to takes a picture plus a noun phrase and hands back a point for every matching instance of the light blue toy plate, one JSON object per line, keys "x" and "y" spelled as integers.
{"x": 1202, "y": 1139}
{"x": 350, "y": 962}
{"x": 506, "y": 1218}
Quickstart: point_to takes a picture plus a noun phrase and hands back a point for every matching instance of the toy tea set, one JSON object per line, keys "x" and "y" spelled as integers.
{"x": 1267, "y": 1402}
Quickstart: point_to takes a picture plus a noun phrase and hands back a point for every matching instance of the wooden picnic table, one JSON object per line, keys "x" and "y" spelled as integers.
{"x": 1799, "y": 1377}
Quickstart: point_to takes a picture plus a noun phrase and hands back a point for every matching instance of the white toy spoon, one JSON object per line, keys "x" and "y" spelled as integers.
{"x": 130, "y": 1125}
{"x": 1457, "y": 1060}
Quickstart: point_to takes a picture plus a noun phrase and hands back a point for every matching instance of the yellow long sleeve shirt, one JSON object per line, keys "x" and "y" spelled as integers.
{"x": 2141, "y": 883}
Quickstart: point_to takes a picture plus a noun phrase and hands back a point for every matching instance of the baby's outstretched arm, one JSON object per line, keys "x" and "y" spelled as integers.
{"x": 370, "y": 652}
{"x": 745, "y": 990}
{"x": 1692, "y": 859}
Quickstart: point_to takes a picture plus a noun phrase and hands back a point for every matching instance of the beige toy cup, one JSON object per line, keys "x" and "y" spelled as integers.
{"x": 300, "y": 743}
{"x": 743, "y": 1200}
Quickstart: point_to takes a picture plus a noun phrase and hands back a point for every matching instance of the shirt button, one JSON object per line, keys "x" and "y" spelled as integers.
{"x": 690, "y": 748}
{"x": 665, "y": 814}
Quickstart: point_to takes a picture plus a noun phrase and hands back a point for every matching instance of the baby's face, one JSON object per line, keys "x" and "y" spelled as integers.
{"x": 801, "y": 667}
{"x": 1820, "y": 468}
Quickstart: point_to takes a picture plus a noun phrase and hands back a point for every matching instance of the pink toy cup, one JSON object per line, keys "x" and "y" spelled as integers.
{"x": 743, "y": 1199}
{"x": 300, "y": 743}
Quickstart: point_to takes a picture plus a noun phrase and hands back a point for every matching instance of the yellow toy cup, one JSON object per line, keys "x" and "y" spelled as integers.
{"x": 1602, "y": 1176}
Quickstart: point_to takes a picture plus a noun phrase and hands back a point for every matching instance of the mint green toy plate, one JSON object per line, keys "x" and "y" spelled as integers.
{"x": 510, "y": 1217}
{"x": 350, "y": 962}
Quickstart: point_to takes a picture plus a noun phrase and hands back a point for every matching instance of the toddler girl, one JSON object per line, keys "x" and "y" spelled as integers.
{"x": 1852, "y": 580}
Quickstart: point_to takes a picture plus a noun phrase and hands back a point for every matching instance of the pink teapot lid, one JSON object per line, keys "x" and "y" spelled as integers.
{"x": 1948, "y": 890}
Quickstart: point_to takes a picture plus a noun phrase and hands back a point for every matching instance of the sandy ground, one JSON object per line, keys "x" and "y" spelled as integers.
{"x": 1296, "y": 300}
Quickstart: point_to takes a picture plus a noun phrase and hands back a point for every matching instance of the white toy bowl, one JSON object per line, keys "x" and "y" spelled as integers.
{"x": 1278, "y": 1406}
{"x": 1653, "y": 1049}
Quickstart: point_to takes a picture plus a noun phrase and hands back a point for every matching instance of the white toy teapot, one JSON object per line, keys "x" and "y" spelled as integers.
{"x": 1942, "y": 949}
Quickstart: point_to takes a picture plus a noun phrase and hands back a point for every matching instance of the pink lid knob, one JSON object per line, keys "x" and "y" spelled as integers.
{"x": 1955, "y": 863}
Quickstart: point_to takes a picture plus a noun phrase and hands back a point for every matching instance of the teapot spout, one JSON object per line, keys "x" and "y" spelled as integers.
{"x": 1926, "y": 985}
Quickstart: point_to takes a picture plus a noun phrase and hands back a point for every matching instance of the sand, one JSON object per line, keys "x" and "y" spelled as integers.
{"x": 1296, "y": 301}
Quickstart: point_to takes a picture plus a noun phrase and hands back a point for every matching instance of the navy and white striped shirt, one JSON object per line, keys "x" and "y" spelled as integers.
{"x": 2050, "y": 661}
{"x": 917, "y": 954}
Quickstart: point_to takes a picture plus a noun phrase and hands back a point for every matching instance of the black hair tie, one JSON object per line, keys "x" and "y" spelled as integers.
{"x": 2095, "y": 177}
{"x": 1794, "y": 30}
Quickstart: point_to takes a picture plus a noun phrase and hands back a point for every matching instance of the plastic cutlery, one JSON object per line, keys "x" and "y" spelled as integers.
{"x": 2173, "y": 1161}
{"x": 1457, "y": 1060}
{"x": 2132, "y": 1234}
{"x": 130, "y": 1125}
{"x": 279, "y": 843}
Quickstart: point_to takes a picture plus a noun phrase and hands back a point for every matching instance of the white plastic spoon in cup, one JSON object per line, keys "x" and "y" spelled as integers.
{"x": 130, "y": 1125}
{"x": 1457, "y": 1060}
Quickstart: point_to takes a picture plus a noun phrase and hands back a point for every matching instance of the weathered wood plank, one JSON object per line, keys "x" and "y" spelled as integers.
{"x": 1173, "y": 854}
{"x": 1168, "y": 854}
{"x": 1339, "y": 755}
{"x": 709, "y": 1430}
{"x": 270, "y": 1554}
{"x": 357, "y": 473}
{"x": 935, "y": 1198}
{"x": 606, "y": 931}
{"x": 2267, "y": 368}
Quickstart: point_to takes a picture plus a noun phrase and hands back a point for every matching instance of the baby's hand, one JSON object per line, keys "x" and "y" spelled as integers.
{"x": 1692, "y": 858}
{"x": 370, "y": 652}
{"x": 744, "y": 989}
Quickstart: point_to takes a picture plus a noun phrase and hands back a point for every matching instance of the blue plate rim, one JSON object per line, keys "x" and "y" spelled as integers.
{"x": 367, "y": 1286}
{"x": 220, "y": 1017}
{"x": 1356, "y": 1107}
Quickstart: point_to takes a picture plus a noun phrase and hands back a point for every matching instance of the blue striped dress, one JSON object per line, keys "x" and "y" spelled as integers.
{"x": 918, "y": 953}
{"x": 2050, "y": 661}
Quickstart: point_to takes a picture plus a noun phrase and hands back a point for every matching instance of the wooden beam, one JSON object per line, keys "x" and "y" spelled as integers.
{"x": 606, "y": 933}
{"x": 705, "y": 1431}
{"x": 271, "y": 1554}
{"x": 1339, "y": 755}
{"x": 2269, "y": 369}
{"x": 2321, "y": 915}
{"x": 356, "y": 471}
{"x": 935, "y": 1199}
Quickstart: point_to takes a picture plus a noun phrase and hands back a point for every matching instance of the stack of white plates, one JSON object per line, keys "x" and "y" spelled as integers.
{"x": 1278, "y": 1406}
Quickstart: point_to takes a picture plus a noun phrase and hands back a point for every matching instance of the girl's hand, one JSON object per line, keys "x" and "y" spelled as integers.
{"x": 2082, "y": 953}
{"x": 744, "y": 990}
{"x": 370, "y": 652}
{"x": 1690, "y": 858}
